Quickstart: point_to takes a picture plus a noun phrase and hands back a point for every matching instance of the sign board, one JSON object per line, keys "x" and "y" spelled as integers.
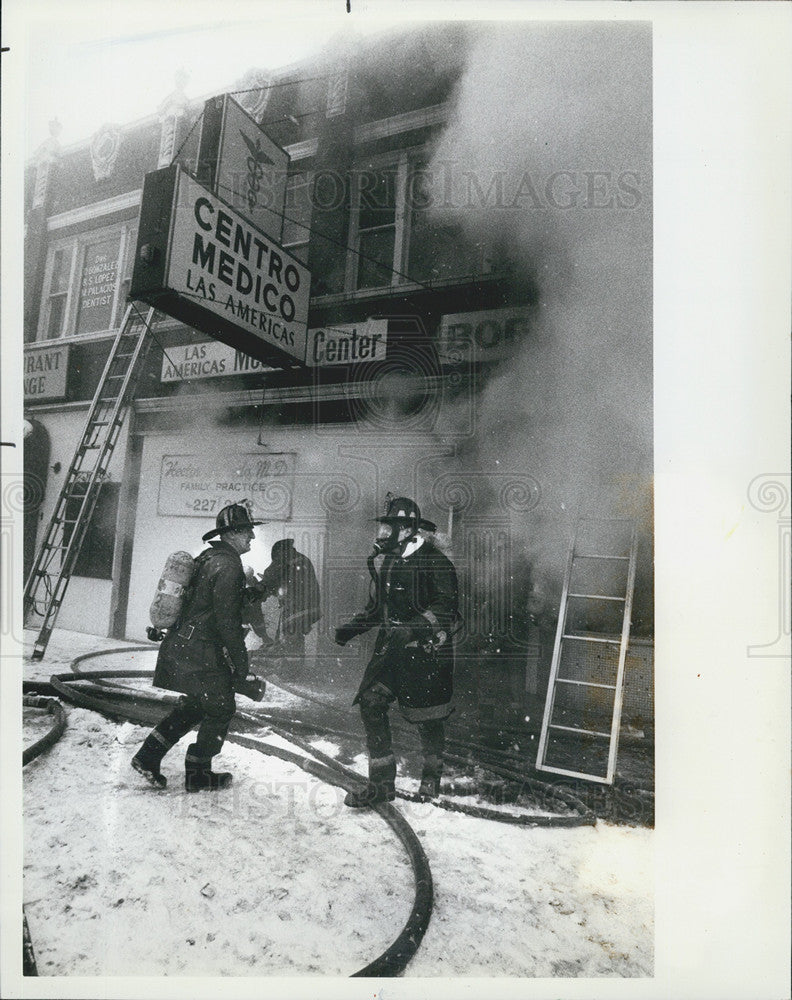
{"x": 244, "y": 166}
{"x": 45, "y": 370}
{"x": 347, "y": 344}
{"x": 208, "y": 360}
{"x": 97, "y": 288}
{"x": 201, "y": 485}
{"x": 201, "y": 262}
{"x": 351, "y": 343}
{"x": 489, "y": 335}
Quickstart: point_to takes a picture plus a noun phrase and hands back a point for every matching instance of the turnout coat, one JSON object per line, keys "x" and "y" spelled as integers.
{"x": 192, "y": 658}
{"x": 295, "y": 576}
{"x": 415, "y": 597}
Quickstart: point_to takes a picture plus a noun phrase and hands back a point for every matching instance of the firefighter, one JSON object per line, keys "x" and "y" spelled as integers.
{"x": 203, "y": 656}
{"x": 414, "y": 602}
{"x": 292, "y": 579}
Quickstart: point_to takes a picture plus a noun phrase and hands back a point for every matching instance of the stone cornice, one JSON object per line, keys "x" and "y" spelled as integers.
{"x": 85, "y": 213}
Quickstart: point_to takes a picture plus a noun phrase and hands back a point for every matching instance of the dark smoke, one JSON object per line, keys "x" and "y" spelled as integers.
{"x": 574, "y": 409}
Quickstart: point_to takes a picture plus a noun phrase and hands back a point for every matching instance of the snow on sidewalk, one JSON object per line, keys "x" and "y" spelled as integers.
{"x": 275, "y": 876}
{"x": 266, "y": 877}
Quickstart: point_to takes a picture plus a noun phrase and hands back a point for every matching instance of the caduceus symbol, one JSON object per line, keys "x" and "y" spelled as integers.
{"x": 255, "y": 169}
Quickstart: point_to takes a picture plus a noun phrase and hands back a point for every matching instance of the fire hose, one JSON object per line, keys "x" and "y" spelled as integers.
{"x": 147, "y": 709}
{"x": 550, "y": 795}
{"x": 95, "y": 690}
{"x": 30, "y": 753}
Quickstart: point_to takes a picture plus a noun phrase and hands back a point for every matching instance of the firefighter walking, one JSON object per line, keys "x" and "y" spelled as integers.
{"x": 414, "y": 603}
{"x": 192, "y": 659}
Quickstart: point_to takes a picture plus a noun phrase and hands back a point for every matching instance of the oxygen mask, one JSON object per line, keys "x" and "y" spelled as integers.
{"x": 390, "y": 536}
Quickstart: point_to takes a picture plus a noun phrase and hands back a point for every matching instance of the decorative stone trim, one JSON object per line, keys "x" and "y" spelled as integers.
{"x": 95, "y": 211}
{"x": 408, "y": 122}
{"x": 47, "y": 154}
{"x": 256, "y": 83}
{"x": 104, "y": 151}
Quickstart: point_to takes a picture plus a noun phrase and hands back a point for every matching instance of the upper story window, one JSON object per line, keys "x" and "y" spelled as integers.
{"x": 378, "y": 234}
{"x": 60, "y": 276}
{"x": 86, "y": 281}
{"x": 400, "y": 231}
{"x": 297, "y": 215}
{"x": 439, "y": 249}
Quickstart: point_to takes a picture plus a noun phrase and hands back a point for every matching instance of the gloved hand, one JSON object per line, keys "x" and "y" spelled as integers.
{"x": 253, "y": 594}
{"x": 252, "y": 687}
{"x": 435, "y": 641}
{"x": 344, "y": 633}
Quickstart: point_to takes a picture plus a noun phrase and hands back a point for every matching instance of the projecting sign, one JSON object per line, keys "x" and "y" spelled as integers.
{"x": 347, "y": 344}
{"x": 45, "y": 370}
{"x": 204, "y": 264}
{"x": 482, "y": 336}
{"x": 246, "y": 168}
{"x": 201, "y": 485}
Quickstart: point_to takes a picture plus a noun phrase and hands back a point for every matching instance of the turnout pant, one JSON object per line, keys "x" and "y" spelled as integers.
{"x": 212, "y": 713}
{"x": 374, "y": 705}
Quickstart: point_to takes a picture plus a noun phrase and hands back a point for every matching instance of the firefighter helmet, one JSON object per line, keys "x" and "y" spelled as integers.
{"x": 400, "y": 510}
{"x": 234, "y": 517}
{"x": 405, "y": 513}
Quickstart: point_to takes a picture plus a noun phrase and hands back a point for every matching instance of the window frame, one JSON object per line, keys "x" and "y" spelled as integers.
{"x": 75, "y": 247}
{"x": 295, "y": 246}
{"x": 403, "y": 160}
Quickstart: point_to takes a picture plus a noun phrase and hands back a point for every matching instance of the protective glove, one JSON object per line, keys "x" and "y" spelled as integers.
{"x": 435, "y": 641}
{"x": 252, "y": 687}
{"x": 344, "y": 633}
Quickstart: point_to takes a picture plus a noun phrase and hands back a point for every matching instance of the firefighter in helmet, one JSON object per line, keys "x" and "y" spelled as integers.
{"x": 203, "y": 656}
{"x": 414, "y": 603}
{"x": 290, "y": 578}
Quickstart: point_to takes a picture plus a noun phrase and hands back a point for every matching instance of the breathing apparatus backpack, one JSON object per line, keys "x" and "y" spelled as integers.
{"x": 166, "y": 608}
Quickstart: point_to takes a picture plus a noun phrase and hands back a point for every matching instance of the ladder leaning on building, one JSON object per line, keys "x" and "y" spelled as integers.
{"x": 56, "y": 558}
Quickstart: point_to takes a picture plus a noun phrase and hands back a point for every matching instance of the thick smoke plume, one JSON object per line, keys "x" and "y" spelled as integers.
{"x": 549, "y": 149}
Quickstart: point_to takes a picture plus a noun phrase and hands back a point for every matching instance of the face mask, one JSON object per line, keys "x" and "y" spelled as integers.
{"x": 390, "y": 537}
{"x": 387, "y": 538}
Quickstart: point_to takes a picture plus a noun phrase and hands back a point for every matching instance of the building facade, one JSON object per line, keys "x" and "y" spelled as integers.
{"x": 436, "y": 312}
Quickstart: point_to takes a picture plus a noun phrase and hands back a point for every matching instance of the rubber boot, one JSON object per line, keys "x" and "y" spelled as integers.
{"x": 148, "y": 759}
{"x": 199, "y": 776}
{"x": 381, "y": 785}
{"x": 430, "y": 778}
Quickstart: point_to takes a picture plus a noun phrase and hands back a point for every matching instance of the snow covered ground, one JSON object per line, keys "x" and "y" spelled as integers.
{"x": 275, "y": 876}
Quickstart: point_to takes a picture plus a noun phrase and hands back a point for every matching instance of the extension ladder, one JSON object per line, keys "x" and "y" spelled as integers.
{"x": 71, "y": 516}
{"x": 564, "y": 693}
